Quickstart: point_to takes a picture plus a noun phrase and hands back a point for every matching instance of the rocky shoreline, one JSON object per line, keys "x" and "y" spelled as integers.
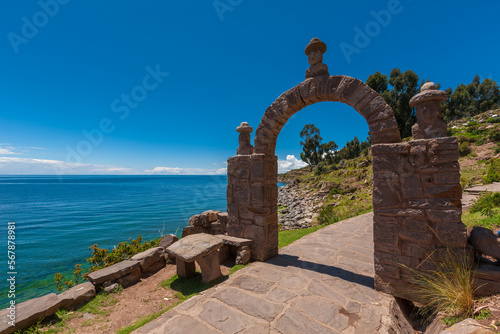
{"x": 298, "y": 205}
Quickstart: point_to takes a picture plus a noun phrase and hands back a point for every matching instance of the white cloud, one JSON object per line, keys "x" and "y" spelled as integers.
{"x": 8, "y": 150}
{"x": 290, "y": 163}
{"x": 185, "y": 171}
{"x": 30, "y": 166}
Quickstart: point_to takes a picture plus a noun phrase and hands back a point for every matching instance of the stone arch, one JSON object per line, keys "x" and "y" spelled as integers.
{"x": 368, "y": 103}
{"x": 416, "y": 184}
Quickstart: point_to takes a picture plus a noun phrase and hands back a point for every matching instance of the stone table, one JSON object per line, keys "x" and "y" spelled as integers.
{"x": 202, "y": 248}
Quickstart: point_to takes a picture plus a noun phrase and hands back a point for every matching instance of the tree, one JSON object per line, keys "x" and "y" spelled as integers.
{"x": 404, "y": 86}
{"x": 313, "y": 150}
{"x": 377, "y": 82}
{"x": 473, "y": 99}
{"x": 329, "y": 151}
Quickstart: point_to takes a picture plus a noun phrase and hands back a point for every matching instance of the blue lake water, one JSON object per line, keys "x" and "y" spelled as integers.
{"x": 58, "y": 218}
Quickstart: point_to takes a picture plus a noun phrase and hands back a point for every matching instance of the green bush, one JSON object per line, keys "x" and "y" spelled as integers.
{"x": 327, "y": 215}
{"x": 320, "y": 168}
{"x": 102, "y": 258}
{"x": 464, "y": 149}
{"x": 493, "y": 174}
{"x": 493, "y": 120}
{"x": 336, "y": 191}
{"x": 64, "y": 284}
{"x": 463, "y": 139}
{"x": 495, "y": 135}
{"x": 486, "y": 203}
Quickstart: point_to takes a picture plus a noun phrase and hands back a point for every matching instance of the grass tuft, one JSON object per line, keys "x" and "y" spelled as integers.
{"x": 449, "y": 289}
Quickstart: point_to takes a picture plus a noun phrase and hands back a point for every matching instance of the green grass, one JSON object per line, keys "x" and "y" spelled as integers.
{"x": 289, "y": 236}
{"x": 97, "y": 305}
{"x": 485, "y": 212}
{"x": 478, "y": 219}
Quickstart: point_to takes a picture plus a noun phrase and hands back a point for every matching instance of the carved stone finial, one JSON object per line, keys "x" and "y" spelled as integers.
{"x": 428, "y": 86}
{"x": 314, "y": 51}
{"x": 428, "y": 103}
{"x": 244, "y": 139}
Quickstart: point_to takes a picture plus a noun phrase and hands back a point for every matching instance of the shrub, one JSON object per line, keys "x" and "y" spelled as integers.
{"x": 102, "y": 258}
{"x": 494, "y": 135}
{"x": 64, "y": 284}
{"x": 493, "y": 174}
{"x": 336, "y": 191}
{"x": 486, "y": 203}
{"x": 464, "y": 149}
{"x": 320, "y": 168}
{"x": 463, "y": 139}
{"x": 327, "y": 215}
{"x": 493, "y": 120}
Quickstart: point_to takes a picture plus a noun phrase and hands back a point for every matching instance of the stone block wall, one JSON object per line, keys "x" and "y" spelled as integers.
{"x": 417, "y": 209}
{"x": 252, "y": 194}
{"x": 210, "y": 222}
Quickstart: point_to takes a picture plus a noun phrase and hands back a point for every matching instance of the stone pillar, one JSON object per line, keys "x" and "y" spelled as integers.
{"x": 417, "y": 209}
{"x": 252, "y": 196}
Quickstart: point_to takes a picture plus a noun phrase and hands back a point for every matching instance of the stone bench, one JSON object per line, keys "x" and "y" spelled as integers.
{"x": 202, "y": 248}
{"x": 237, "y": 248}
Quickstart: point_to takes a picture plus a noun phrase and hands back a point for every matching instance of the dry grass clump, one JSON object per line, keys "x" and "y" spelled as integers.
{"x": 449, "y": 289}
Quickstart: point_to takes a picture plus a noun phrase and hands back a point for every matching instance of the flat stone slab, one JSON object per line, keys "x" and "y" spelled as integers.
{"x": 195, "y": 246}
{"x": 322, "y": 283}
{"x": 149, "y": 257}
{"x": 113, "y": 272}
{"x": 234, "y": 241}
{"x": 77, "y": 295}
{"x": 29, "y": 312}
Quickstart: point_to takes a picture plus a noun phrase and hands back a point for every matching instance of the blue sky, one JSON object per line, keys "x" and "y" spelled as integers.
{"x": 158, "y": 86}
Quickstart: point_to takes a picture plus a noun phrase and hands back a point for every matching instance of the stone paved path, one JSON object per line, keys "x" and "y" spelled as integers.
{"x": 470, "y": 194}
{"x": 322, "y": 283}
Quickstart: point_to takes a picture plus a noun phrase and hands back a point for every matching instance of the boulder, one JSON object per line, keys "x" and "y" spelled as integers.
{"x": 29, "y": 313}
{"x": 77, "y": 295}
{"x": 111, "y": 288}
{"x": 114, "y": 272}
{"x": 189, "y": 230}
{"x": 151, "y": 259}
{"x": 194, "y": 220}
{"x": 222, "y": 217}
{"x": 243, "y": 255}
{"x": 167, "y": 240}
{"x": 485, "y": 242}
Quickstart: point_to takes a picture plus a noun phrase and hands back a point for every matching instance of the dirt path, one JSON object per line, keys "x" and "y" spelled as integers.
{"x": 124, "y": 308}
{"x": 142, "y": 299}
